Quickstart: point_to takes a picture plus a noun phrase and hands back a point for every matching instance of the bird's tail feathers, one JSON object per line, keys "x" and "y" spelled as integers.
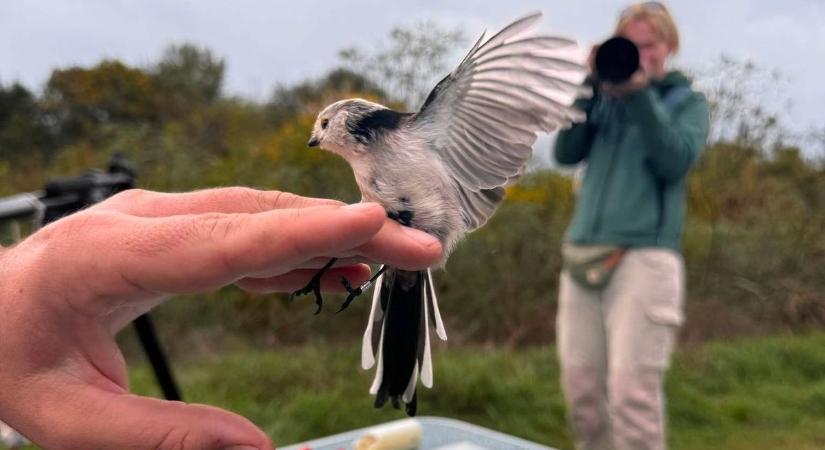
{"x": 397, "y": 336}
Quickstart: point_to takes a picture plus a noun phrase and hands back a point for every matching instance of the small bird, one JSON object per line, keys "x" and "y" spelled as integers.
{"x": 443, "y": 170}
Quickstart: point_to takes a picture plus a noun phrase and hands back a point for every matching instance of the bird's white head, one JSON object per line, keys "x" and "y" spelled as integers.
{"x": 349, "y": 127}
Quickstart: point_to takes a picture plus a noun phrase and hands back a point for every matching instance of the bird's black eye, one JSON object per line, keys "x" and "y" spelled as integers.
{"x": 324, "y": 123}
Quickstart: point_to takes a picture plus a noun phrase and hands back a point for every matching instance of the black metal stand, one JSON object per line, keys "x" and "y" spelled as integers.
{"x": 163, "y": 374}
{"x": 64, "y": 196}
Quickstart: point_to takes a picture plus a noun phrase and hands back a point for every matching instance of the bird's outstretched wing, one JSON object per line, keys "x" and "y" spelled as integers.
{"x": 483, "y": 118}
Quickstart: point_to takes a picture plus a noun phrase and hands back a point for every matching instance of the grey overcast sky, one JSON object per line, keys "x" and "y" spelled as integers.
{"x": 269, "y": 42}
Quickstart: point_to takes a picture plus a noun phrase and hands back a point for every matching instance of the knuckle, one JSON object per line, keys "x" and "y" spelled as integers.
{"x": 266, "y": 201}
{"x": 239, "y": 192}
{"x": 61, "y": 250}
{"x": 131, "y": 195}
{"x": 89, "y": 222}
{"x": 255, "y": 199}
{"x": 281, "y": 199}
{"x": 125, "y": 199}
{"x": 75, "y": 229}
{"x": 70, "y": 240}
{"x": 216, "y": 226}
{"x": 175, "y": 438}
{"x": 269, "y": 200}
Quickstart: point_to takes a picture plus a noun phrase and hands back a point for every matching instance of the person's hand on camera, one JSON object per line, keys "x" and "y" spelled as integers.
{"x": 69, "y": 288}
{"x": 638, "y": 81}
{"x": 591, "y": 59}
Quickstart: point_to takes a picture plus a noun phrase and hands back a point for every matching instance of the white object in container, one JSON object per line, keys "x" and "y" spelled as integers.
{"x": 400, "y": 435}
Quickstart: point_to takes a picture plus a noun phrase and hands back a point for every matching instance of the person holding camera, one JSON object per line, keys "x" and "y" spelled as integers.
{"x": 622, "y": 286}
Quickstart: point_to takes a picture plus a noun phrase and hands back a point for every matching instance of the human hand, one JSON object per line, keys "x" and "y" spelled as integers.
{"x": 638, "y": 81}
{"x": 69, "y": 288}
{"x": 591, "y": 58}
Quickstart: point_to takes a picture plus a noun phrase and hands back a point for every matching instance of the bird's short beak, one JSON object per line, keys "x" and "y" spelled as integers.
{"x": 313, "y": 141}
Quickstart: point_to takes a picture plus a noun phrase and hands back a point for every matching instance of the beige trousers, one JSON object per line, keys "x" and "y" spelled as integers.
{"x": 614, "y": 346}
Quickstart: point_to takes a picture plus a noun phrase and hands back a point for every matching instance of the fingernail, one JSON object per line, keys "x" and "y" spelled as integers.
{"x": 420, "y": 236}
{"x": 360, "y": 206}
{"x": 241, "y": 447}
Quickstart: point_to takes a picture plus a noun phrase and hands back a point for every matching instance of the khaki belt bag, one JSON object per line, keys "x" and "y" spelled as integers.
{"x": 591, "y": 266}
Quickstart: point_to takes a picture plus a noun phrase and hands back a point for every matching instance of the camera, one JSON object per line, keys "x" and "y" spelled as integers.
{"x": 616, "y": 60}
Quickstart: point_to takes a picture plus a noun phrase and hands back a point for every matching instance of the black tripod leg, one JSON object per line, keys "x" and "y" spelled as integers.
{"x": 148, "y": 338}
{"x": 314, "y": 286}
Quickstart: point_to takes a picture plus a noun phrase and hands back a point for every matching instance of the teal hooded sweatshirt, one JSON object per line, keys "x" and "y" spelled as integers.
{"x": 638, "y": 150}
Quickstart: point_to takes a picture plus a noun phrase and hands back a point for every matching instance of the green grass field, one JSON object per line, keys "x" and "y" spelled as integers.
{"x": 754, "y": 394}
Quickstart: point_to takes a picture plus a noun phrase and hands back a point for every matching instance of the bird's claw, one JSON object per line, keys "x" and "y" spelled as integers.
{"x": 353, "y": 293}
{"x": 313, "y": 286}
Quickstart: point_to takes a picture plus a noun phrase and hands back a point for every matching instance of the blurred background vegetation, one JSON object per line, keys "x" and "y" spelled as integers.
{"x": 753, "y": 242}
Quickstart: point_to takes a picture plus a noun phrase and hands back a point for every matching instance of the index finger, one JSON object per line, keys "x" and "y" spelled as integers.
{"x": 403, "y": 247}
{"x": 186, "y": 254}
{"x": 229, "y": 200}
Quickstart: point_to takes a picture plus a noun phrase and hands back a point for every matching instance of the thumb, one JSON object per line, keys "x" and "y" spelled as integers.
{"x": 103, "y": 419}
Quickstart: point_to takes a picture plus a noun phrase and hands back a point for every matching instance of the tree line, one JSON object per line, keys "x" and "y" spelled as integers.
{"x": 753, "y": 241}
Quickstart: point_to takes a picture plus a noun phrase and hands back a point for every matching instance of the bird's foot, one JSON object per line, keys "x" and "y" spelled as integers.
{"x": 353, "y": 292}
{"x": 314, "y": 286}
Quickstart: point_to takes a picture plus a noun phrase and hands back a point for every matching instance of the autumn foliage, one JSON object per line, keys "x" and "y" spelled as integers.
{"x": 754, "y": 239}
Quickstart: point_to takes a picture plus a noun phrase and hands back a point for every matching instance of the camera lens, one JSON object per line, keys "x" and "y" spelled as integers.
{"x": 617, "y": 59}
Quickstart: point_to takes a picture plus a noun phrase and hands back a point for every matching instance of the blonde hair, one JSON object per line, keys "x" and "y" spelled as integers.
{"x": 657, "y": 15}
